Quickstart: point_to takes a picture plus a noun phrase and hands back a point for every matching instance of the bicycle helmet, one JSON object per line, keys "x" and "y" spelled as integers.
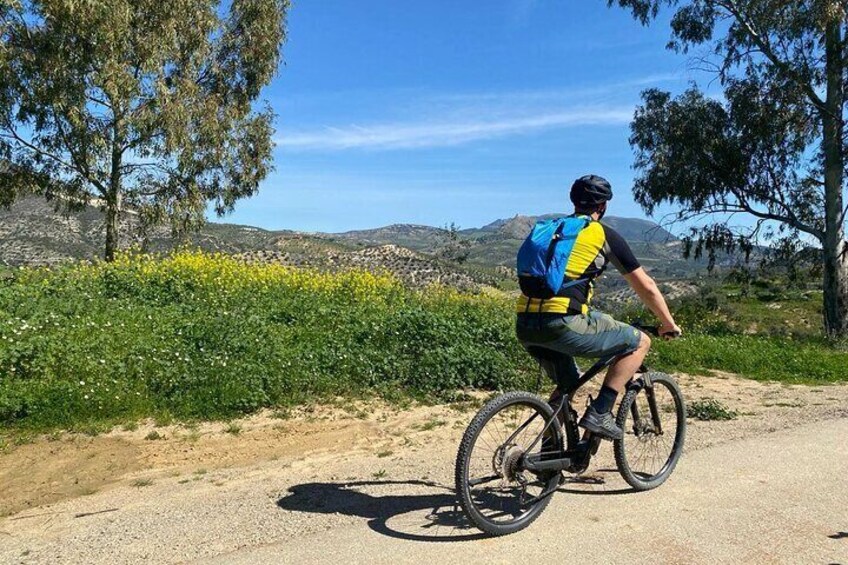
{"x": 590, "y": 190}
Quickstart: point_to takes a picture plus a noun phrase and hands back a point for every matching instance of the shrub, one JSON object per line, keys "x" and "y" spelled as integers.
{"x": 709, "y": 410}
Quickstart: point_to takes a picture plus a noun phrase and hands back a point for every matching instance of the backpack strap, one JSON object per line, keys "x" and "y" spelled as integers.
{"x": 554, "y": 240}
{"x": 575, "y": 282}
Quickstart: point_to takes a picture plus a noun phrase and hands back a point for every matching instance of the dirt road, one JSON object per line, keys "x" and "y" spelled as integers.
{"x": 767, "y": 487}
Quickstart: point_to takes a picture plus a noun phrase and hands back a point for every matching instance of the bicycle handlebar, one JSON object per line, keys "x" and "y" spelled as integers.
{"x": 654, "y": 330}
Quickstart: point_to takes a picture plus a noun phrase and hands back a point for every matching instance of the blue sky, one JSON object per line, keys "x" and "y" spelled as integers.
{"x": 436, "y": 112}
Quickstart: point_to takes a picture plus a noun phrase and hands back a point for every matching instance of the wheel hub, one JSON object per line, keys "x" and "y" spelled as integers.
{"x": 511, "y": 459}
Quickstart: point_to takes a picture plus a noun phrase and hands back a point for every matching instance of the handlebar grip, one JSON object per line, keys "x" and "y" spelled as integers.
{"x": 655, "y": 331}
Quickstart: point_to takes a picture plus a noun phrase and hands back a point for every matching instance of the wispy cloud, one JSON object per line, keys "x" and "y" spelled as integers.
{"x": 434, "y": 133}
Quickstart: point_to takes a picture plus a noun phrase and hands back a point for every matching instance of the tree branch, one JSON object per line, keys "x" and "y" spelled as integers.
{"x": 34, "y": 148}
{"x": 787, "y": 219}
{"x": 767, "y": 50}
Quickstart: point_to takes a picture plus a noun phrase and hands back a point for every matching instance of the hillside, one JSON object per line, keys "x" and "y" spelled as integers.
{"x": 32, "y": 232}
{"x": 494, "y": 245}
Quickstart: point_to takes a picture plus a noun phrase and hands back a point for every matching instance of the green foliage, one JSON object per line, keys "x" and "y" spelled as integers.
{"x": 805, "y": 360}
{"x": 142, "y": 103}
{"x": 197, "y": 336}
{"x": 771, "y": 147}
{"x": 709, "y": 409}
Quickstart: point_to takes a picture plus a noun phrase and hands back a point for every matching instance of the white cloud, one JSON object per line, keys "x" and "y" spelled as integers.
{"x": 445, "y": 133}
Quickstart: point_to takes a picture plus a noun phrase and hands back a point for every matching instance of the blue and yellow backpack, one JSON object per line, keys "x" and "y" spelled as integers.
{"x": 543, "y": 256}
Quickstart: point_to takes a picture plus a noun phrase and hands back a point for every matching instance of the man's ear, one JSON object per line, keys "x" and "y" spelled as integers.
{"x": 602, "y": 210}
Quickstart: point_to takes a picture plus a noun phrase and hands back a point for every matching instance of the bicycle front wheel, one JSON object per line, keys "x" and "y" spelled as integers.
{"x": 653, "y": 419}
{"x": 497, "y": 495}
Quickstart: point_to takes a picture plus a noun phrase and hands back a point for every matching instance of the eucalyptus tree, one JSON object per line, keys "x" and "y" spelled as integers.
{"x": 772, "y": 146}
{"x": 138, "y": 105}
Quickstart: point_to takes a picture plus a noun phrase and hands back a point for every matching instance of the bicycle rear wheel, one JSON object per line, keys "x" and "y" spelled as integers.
{"x": 648, "y": 453}
{"x": 497, "y": 495}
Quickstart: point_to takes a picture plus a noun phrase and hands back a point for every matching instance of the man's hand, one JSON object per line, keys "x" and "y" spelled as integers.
{"x": 670, "y": 331}
{"x": 651, "y": 296}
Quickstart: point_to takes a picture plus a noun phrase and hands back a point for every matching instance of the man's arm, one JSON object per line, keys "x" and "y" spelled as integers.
{"x": 650, "y": 294}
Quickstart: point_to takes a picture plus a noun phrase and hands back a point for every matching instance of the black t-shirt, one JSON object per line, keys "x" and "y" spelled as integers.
{"x": 595, "y": 248}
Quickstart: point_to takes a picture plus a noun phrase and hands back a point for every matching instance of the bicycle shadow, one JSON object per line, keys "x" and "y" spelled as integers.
{"x": 599, "y": 479}
{"x": 434, "y": 517}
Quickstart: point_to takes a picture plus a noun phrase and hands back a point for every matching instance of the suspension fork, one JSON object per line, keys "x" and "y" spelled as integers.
{"x": 652, "y": 403}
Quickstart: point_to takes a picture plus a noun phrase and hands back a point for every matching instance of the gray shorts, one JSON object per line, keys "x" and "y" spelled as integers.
{"x": 580, "y": 335}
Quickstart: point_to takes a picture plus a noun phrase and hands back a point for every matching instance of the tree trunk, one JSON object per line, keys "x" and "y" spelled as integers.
{"x": 836, "y": 291}
{"x": 834, "y": 245}
{"x": 113, "y": 197}
{"x": 113, "y": 208}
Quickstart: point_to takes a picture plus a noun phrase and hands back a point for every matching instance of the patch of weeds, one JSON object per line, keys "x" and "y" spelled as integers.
{"x": 93, "y": 430}
{"x": 163, "y": 419}
{"x": 54, "y": 436}
{"x": 282, "y": 414}
{"x": 153, "y": 436}
{"x": 785, "y": 404}
{"x": 233, "y": 428}
{"x": 192, "y": 436}
{"x": 431, "y": 424}
{"x": 139, "y": 483}
{"x": 183, "y": 481}
{"x": 385, "y": 453}
{"x": 23, "y": 439}
{"x": 379, "y": 474}
{"x": 709, "y": 409}
{"x": 130, "y": 426}
{"x": 201, "y": 472}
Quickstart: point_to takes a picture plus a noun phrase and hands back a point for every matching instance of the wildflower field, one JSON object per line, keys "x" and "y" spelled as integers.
{"x": 197, "y": 336}
{"x": 208, "y": 337}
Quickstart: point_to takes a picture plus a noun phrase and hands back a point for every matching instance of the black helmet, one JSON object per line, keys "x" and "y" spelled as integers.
{"x": 590, "y": 190}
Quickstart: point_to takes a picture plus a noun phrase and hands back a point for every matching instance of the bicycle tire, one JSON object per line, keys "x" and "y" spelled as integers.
{"x": 466, "y": 447}
{"x": 637, "y": 480}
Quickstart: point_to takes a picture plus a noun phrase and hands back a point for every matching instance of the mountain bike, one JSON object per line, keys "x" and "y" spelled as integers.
{"x": 513, "y": 453}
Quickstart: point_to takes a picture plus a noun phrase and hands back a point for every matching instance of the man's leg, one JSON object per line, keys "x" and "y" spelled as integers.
{"x": 620, "y": 372}
{"x": 598, "y": 418}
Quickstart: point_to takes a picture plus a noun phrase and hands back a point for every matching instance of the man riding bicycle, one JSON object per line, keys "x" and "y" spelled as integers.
{"x": 564, "y": 322}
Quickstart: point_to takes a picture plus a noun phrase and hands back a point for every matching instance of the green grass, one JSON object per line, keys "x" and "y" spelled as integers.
{"x": 803, "y": 361}
{"x": 197, "y": 337}
{"x": 777, "y": 340}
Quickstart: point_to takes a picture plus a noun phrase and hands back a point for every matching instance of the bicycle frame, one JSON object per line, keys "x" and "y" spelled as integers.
{"x": 578, "y": 457}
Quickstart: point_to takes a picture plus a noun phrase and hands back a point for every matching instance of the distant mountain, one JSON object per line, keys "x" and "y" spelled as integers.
{"x": 632, "y": 229}
{"x": 424, "y": 238}
{"x": 411, "y": 236}
{"x": 32, "y": 232}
